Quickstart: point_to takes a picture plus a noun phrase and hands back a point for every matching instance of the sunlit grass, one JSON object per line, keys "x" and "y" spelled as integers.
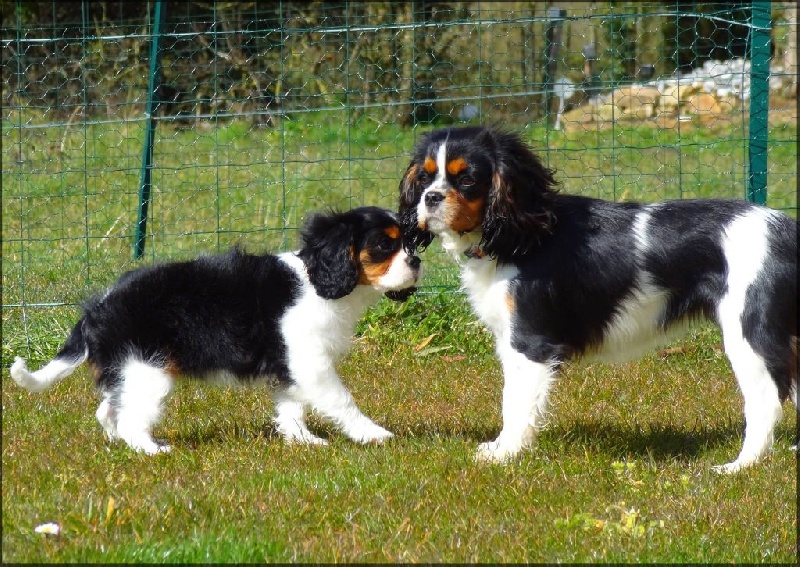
{"x": 621, "y": 473}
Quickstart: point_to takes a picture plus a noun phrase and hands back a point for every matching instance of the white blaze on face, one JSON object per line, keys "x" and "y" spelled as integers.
{"x": 432, "y": 219}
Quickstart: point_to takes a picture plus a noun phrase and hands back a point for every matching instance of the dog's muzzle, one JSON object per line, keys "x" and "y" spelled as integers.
{"x": 413, "y": 262}
{"x": 430, "y": 209}
{"x": 433, "y": 198}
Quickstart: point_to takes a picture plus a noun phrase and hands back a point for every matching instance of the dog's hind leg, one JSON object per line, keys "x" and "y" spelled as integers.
{"x": 106, "y": 415}
{"x": 749, "y": 330}
{"x": 138, "y": 403}
{"x": 762, "y": 403}
{"x": 525, "y": 390}
{"x": 793, "y": 394}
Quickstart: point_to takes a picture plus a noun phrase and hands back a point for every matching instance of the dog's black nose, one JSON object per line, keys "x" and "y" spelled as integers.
{"x": 433, "y": 198}
{"x": 414, "y": 262}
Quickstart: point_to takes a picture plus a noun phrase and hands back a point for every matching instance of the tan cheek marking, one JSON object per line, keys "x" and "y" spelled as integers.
{"x": 393, "y": 232}
{"x": 171, "y": 368}
{"x": 95, "y": 371}
{"x": 463, "y": 215}
{"x": 429, "y": 166}
{"x": 370, "y": 272}
{"x": 510, "y": 303}
{"x": 456, "y": 166}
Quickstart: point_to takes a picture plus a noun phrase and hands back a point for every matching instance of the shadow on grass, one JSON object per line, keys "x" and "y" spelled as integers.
{"x": 197, "y": 436}
{"x": 659, "y": 442}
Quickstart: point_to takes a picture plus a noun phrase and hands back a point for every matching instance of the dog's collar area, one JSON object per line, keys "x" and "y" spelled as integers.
{"x": 474, "y": 252}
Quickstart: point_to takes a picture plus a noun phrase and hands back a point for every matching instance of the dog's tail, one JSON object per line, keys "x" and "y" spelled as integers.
{"x": 72, "y": 354}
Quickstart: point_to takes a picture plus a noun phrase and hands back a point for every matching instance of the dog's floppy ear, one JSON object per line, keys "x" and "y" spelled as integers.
{"x": 410, "y": 193}
{"x": 328, "y": 251}
{"x": 521, "y": 198}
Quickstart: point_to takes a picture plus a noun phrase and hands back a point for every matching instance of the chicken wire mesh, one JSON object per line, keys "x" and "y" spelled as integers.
{"x": 263, "y": 112}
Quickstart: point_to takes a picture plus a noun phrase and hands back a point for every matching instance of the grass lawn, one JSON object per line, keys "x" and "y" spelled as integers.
{"x": 621, "y": 473}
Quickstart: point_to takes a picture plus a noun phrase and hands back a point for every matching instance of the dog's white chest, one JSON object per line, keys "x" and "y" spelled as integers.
{"x": 486, "y": 285}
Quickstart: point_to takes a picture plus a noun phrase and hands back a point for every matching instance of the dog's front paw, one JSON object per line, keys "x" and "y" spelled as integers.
{"x": 496, "y": 452}
{"x": 309, "y": 439}
{"x": 731, "y": 468}
{"x": 737, "y": 465}
{"x": 374, "y": 434}
{"x": 150, "y": 447}
{"x": 303, "y": 438}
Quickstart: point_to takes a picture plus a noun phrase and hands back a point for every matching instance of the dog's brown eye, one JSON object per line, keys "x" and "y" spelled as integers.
{"x": 467, "y": 181}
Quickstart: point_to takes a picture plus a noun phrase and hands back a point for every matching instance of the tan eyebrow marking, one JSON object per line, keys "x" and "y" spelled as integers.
{"x": 456, "y": 166}
{"x": 392, "y": 232}
{"x": 429, "y": 165}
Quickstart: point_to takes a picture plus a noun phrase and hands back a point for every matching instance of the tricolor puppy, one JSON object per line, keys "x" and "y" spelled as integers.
{"x": 557, "y": 277}
{"x": 284, "y": 319}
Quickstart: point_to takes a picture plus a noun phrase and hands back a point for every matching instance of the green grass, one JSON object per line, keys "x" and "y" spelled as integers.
{"x": 621, "y": 473}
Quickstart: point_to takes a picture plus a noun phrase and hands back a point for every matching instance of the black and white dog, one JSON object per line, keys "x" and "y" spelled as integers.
{"x": 283, "y": 318}
{"x": 556, "y": 277}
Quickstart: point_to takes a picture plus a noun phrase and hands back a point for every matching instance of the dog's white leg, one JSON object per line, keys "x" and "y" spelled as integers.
{"x": 325, "y": 393}
{"x": 139, "y": 402}
{"x": 107, "y": 417}
{"x": 525, "y": 389}
{"x": 762, "y": 406}
{"x": 746, "y": 247}
{"x": 793, "y": 394}
{"x": 290, "y": 420}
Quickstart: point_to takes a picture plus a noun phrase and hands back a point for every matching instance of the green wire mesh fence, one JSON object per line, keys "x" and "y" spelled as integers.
{"x": 168, "y": 129}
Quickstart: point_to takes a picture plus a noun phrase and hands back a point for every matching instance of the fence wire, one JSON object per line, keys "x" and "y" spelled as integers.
{"x": 268, "y": 111}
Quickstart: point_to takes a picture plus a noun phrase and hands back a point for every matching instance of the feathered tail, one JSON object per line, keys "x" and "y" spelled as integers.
{"x": 72, "y": 354}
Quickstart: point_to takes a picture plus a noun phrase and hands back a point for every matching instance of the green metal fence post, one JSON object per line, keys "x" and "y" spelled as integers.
{"x": 149, "y": 136}
{"x": 759, "y": 101}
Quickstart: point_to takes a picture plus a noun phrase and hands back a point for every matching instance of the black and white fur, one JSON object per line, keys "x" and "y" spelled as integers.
{"x": 557, "y": 277}
{"x": 239, "y": 317}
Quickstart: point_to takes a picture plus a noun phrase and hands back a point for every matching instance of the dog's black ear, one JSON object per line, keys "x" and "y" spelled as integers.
{"x": 411, "y": 189}
{"x": 520, "y": 206}
{"x": 328, "y": 251}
